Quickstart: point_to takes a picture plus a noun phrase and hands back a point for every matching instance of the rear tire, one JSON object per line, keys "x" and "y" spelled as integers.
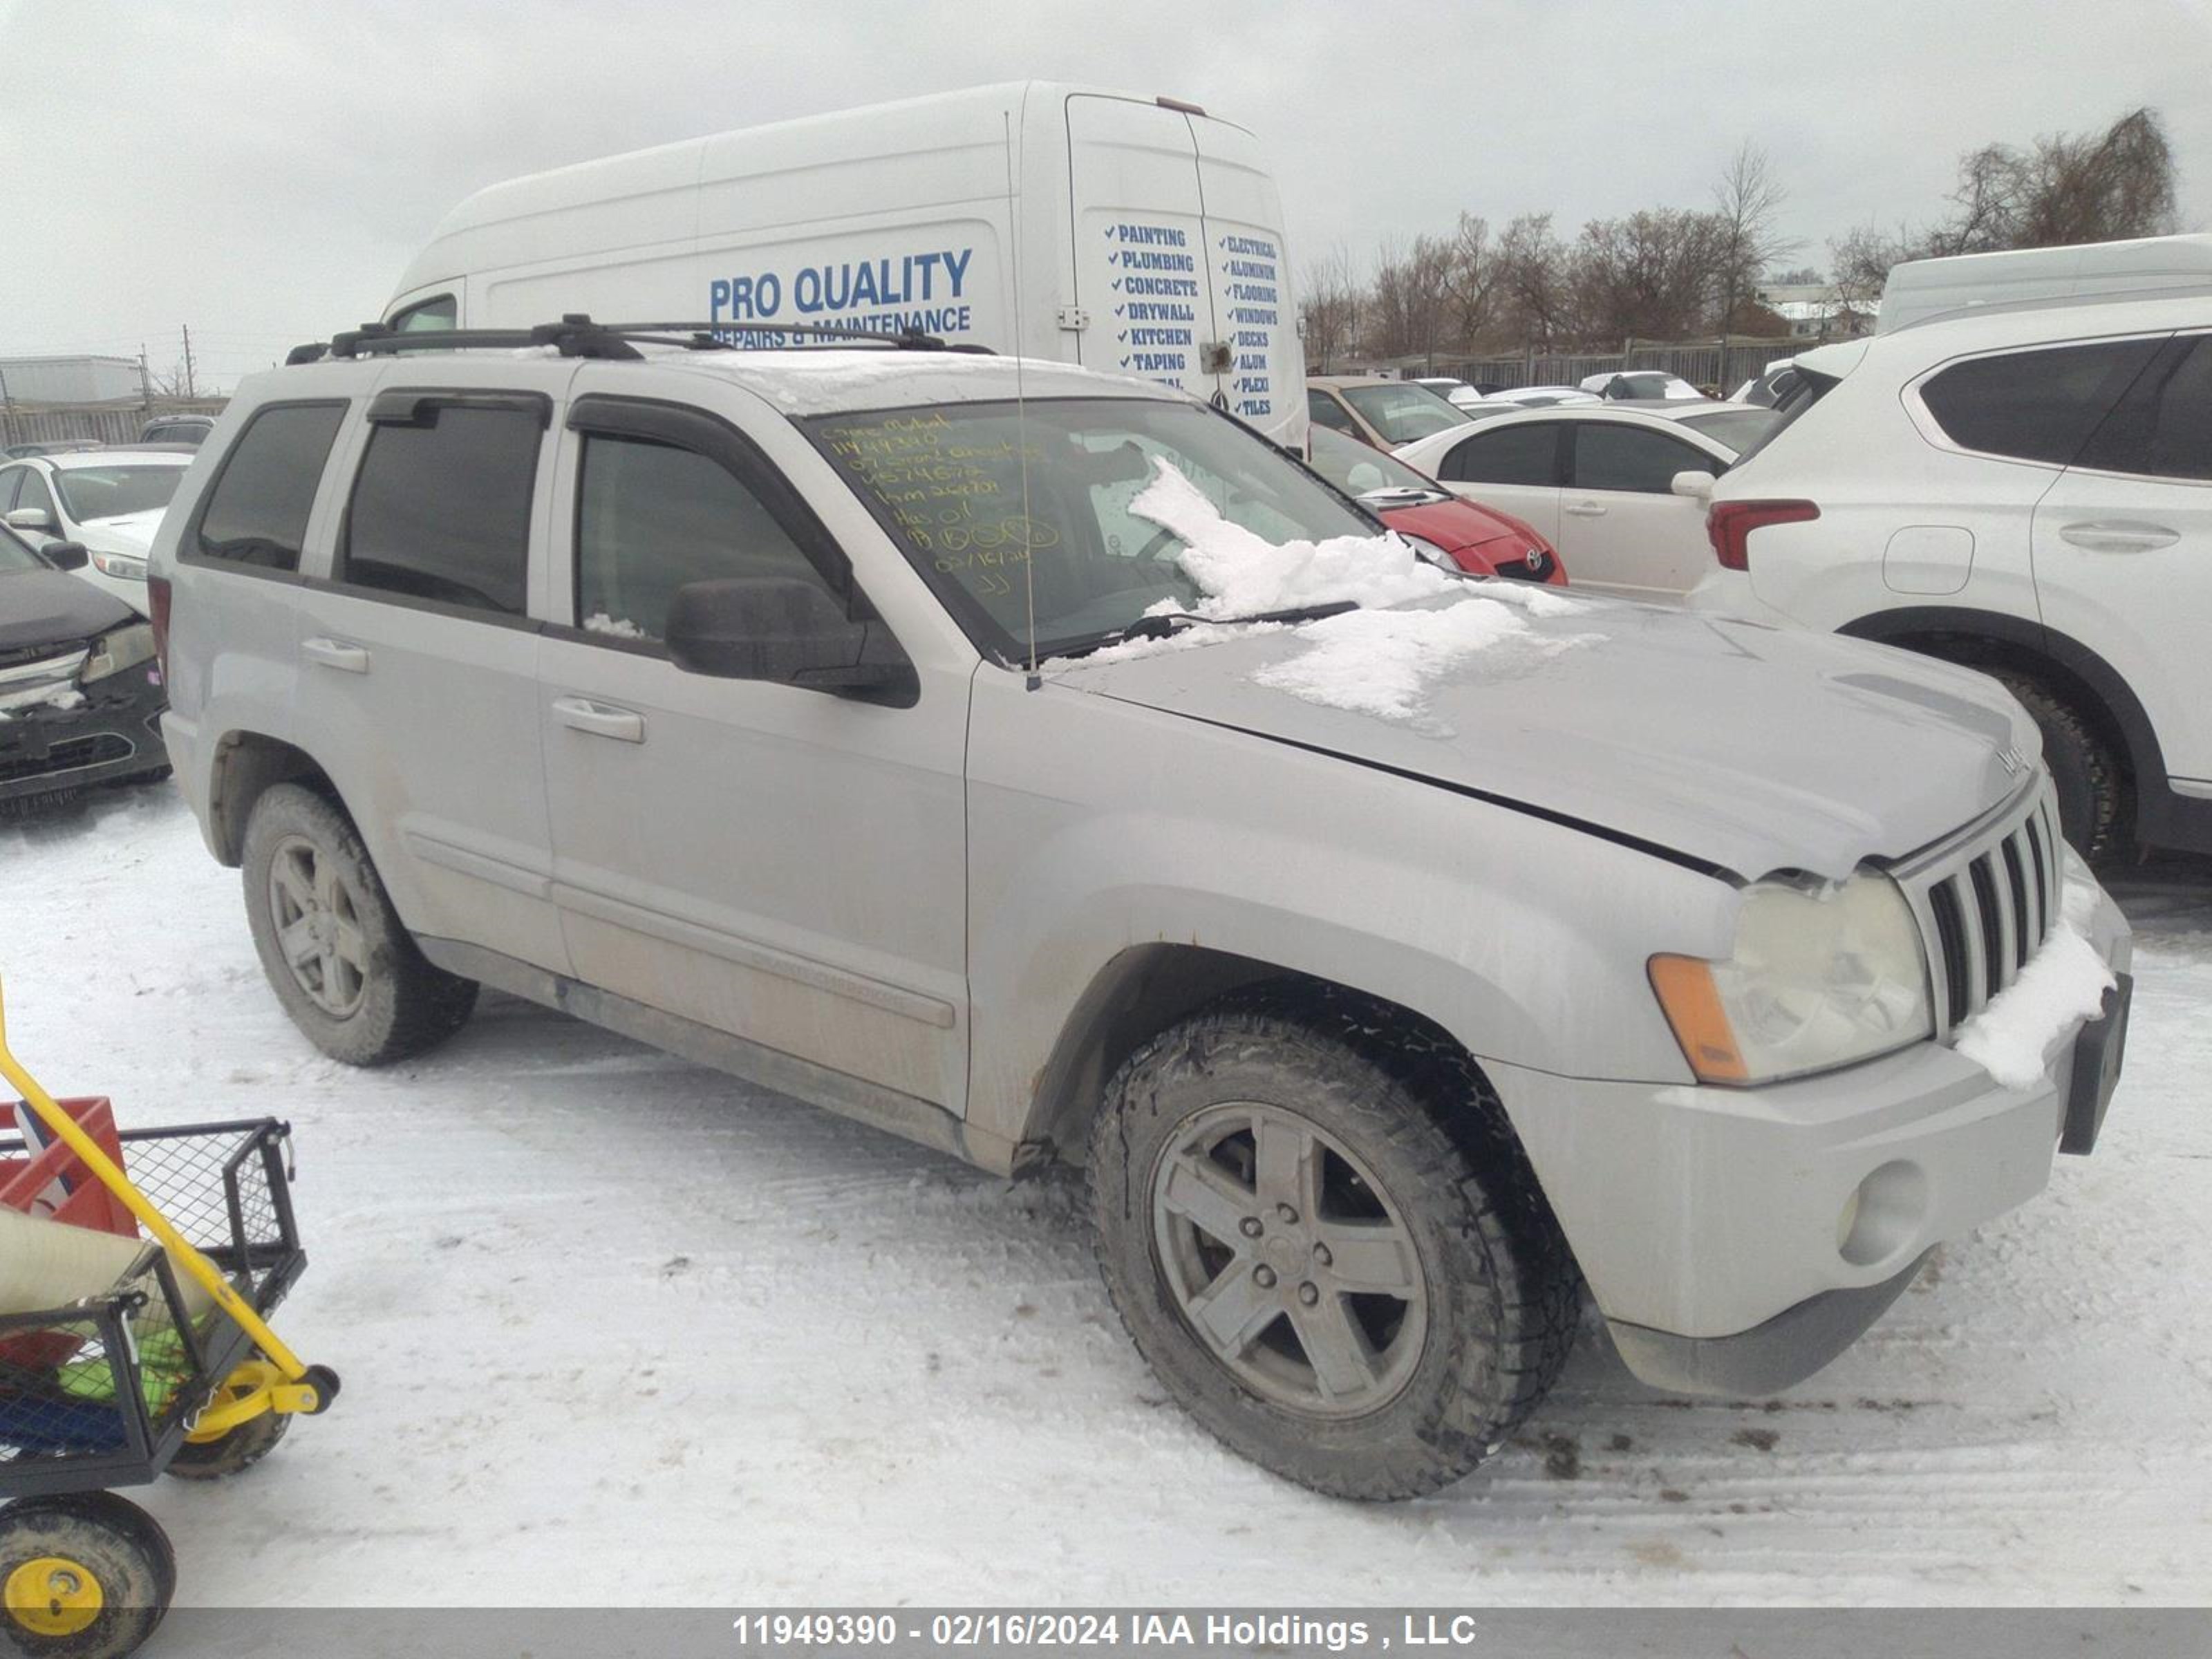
{"x": 2093, "y": 807}
{"x": 1408, "y": 1151}
{"x": 235, "y": 1453}
{"x": 340, "y": 960}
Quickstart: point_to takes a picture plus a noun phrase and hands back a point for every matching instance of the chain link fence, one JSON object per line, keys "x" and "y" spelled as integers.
{"x": 1713, "y": 365}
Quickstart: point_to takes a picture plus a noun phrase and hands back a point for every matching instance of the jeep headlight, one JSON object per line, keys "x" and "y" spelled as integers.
{"x": 1821, "y": 976}
{"x": 126, "y": 647}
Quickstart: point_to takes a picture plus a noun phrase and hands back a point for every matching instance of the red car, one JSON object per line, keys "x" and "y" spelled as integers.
{"x": 1479, "y": 540}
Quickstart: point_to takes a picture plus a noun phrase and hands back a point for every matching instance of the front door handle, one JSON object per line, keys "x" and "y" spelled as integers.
{"x": 341, "y": 654}
{"x": 1587, "y": 510}
{"x": 600, "y": 720}
{"x": 2120, "y": 536}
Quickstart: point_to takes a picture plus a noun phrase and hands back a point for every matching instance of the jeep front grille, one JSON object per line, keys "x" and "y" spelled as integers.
{"x": 1986, "y": 899}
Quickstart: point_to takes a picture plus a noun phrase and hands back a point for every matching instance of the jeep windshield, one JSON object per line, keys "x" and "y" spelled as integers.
{"x": 947, "y": 482}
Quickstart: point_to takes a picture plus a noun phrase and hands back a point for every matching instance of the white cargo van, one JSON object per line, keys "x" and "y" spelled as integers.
{"x": 1131, "y": 234}
{"x": 2149, "y": 267}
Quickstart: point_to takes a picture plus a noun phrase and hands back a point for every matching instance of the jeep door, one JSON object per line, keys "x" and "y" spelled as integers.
{"x": 785, "y": 866}
{"x": 416, "y": 686}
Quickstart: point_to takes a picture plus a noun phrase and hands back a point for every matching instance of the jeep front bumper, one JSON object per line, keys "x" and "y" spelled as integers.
{"x": 1736, "y": 1239}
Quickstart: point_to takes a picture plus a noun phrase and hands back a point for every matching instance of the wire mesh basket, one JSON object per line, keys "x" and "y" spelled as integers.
{"x": 102, "y": 1392}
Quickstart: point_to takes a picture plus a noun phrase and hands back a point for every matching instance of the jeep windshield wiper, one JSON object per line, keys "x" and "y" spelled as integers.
{"x": 1162, "y": 625}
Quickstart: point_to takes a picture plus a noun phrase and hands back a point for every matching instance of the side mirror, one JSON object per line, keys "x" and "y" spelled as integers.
{"x": 787, "y": 632}
{"x": 1697, "y": 486}
{"x": 31, "y": 518}
{"x": 65, "y": 556}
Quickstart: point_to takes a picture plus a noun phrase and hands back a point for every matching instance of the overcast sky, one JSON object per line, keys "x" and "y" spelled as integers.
{"x": 263, "y": 169}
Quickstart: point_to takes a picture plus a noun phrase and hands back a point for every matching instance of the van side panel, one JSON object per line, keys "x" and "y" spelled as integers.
{"x": 1145, "y": 235}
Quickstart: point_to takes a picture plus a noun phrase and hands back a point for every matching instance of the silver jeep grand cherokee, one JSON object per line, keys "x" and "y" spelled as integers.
{"x": 800, "y": 711}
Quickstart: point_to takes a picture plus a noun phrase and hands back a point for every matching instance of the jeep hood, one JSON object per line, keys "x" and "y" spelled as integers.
{"x": 1720, "y": 742}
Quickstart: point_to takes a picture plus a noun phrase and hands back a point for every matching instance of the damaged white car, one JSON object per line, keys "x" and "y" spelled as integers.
{"x": 1039, "y": 764}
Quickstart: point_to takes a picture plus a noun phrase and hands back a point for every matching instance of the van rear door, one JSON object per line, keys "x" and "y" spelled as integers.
{"x": 1264, "y": 380}
{"x": 1141, "y": 272}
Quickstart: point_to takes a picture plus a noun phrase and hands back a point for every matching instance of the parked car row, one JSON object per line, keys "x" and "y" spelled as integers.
{"x": 1597, "y": 482}
{"x": 2025, "y": 489}
{"x": 107, "y": 502}
{"x": 81, "y": 694}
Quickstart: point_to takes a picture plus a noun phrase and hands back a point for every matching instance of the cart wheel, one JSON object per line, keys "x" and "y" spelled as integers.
{"x": 240, "y": 1450}
{"x": 83, "y": 1575}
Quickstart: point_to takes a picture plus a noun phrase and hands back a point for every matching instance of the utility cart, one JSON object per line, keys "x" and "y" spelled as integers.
{"x": 169, "y": 1368}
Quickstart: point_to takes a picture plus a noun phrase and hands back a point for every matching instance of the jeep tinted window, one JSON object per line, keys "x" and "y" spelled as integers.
{"x": 1510, "y": 455}
{"x": 1610, "y": 456}
{"x": 2163, "y": 428}
{"x": 257, "y": 513}
{"x": 650, "y": 517}
{"x": 442, "y": 509}
{"x": 2034, "y": 406}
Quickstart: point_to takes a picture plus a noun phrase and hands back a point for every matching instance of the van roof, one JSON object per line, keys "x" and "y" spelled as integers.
{"x": 2001, "y": 327}
{"x": 657, "y": 188}
{"x": 1921, "y": 291}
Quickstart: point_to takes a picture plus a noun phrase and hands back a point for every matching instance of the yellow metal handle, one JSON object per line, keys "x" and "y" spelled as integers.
{"x": 202, "y": 1271}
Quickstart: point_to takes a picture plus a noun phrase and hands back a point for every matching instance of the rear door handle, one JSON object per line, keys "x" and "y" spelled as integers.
{"x": 2120, "y": 536}
{"x": 1587, "y": 510}
{"x": 600, "y": 720}
{"x": 341, "y": 654}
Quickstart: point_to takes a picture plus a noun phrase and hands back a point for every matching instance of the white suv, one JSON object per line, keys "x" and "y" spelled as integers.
{"x": 2025, "y": 491}
{"x": 893, "y": 727}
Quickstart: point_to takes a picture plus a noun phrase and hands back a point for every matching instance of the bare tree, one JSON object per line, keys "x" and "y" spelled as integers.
{"x": 1536, "y": 276}
{"x": 1650, "y": 275}
{"x": 1329, "y": 305}
{"x": 1475, "y": 282}
{"x": 1411, "y": 307}
{"x": 1748, "y": 200}
{"x": 2060, "y": 190}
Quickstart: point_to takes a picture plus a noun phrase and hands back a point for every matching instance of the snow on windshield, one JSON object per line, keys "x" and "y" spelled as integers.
{"x": 1375, "y": 660}
{"x": 2065, "y": 980}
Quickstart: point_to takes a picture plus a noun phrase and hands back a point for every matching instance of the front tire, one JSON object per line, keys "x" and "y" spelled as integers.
{"x": 340, "y": 960}
{"x": 2093, "y": 795}
{"x": 1319, "y": 1233}
{"x": 83, "y": 1576}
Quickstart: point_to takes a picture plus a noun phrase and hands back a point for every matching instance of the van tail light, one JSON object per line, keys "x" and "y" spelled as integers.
{"x": 1728, "y": 525}
{"x": 157, "y": 598}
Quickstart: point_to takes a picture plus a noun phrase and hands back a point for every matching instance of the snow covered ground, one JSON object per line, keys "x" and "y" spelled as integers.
{"x": 615, "y": 1329}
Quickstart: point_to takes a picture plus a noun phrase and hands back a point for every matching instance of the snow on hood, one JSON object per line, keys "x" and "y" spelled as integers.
{"x": 1746, "y": 747}
{"x": 1375, "y": 660}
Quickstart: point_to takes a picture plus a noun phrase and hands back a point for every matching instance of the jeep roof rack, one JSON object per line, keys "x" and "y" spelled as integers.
{"x": 577, "y": 335}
